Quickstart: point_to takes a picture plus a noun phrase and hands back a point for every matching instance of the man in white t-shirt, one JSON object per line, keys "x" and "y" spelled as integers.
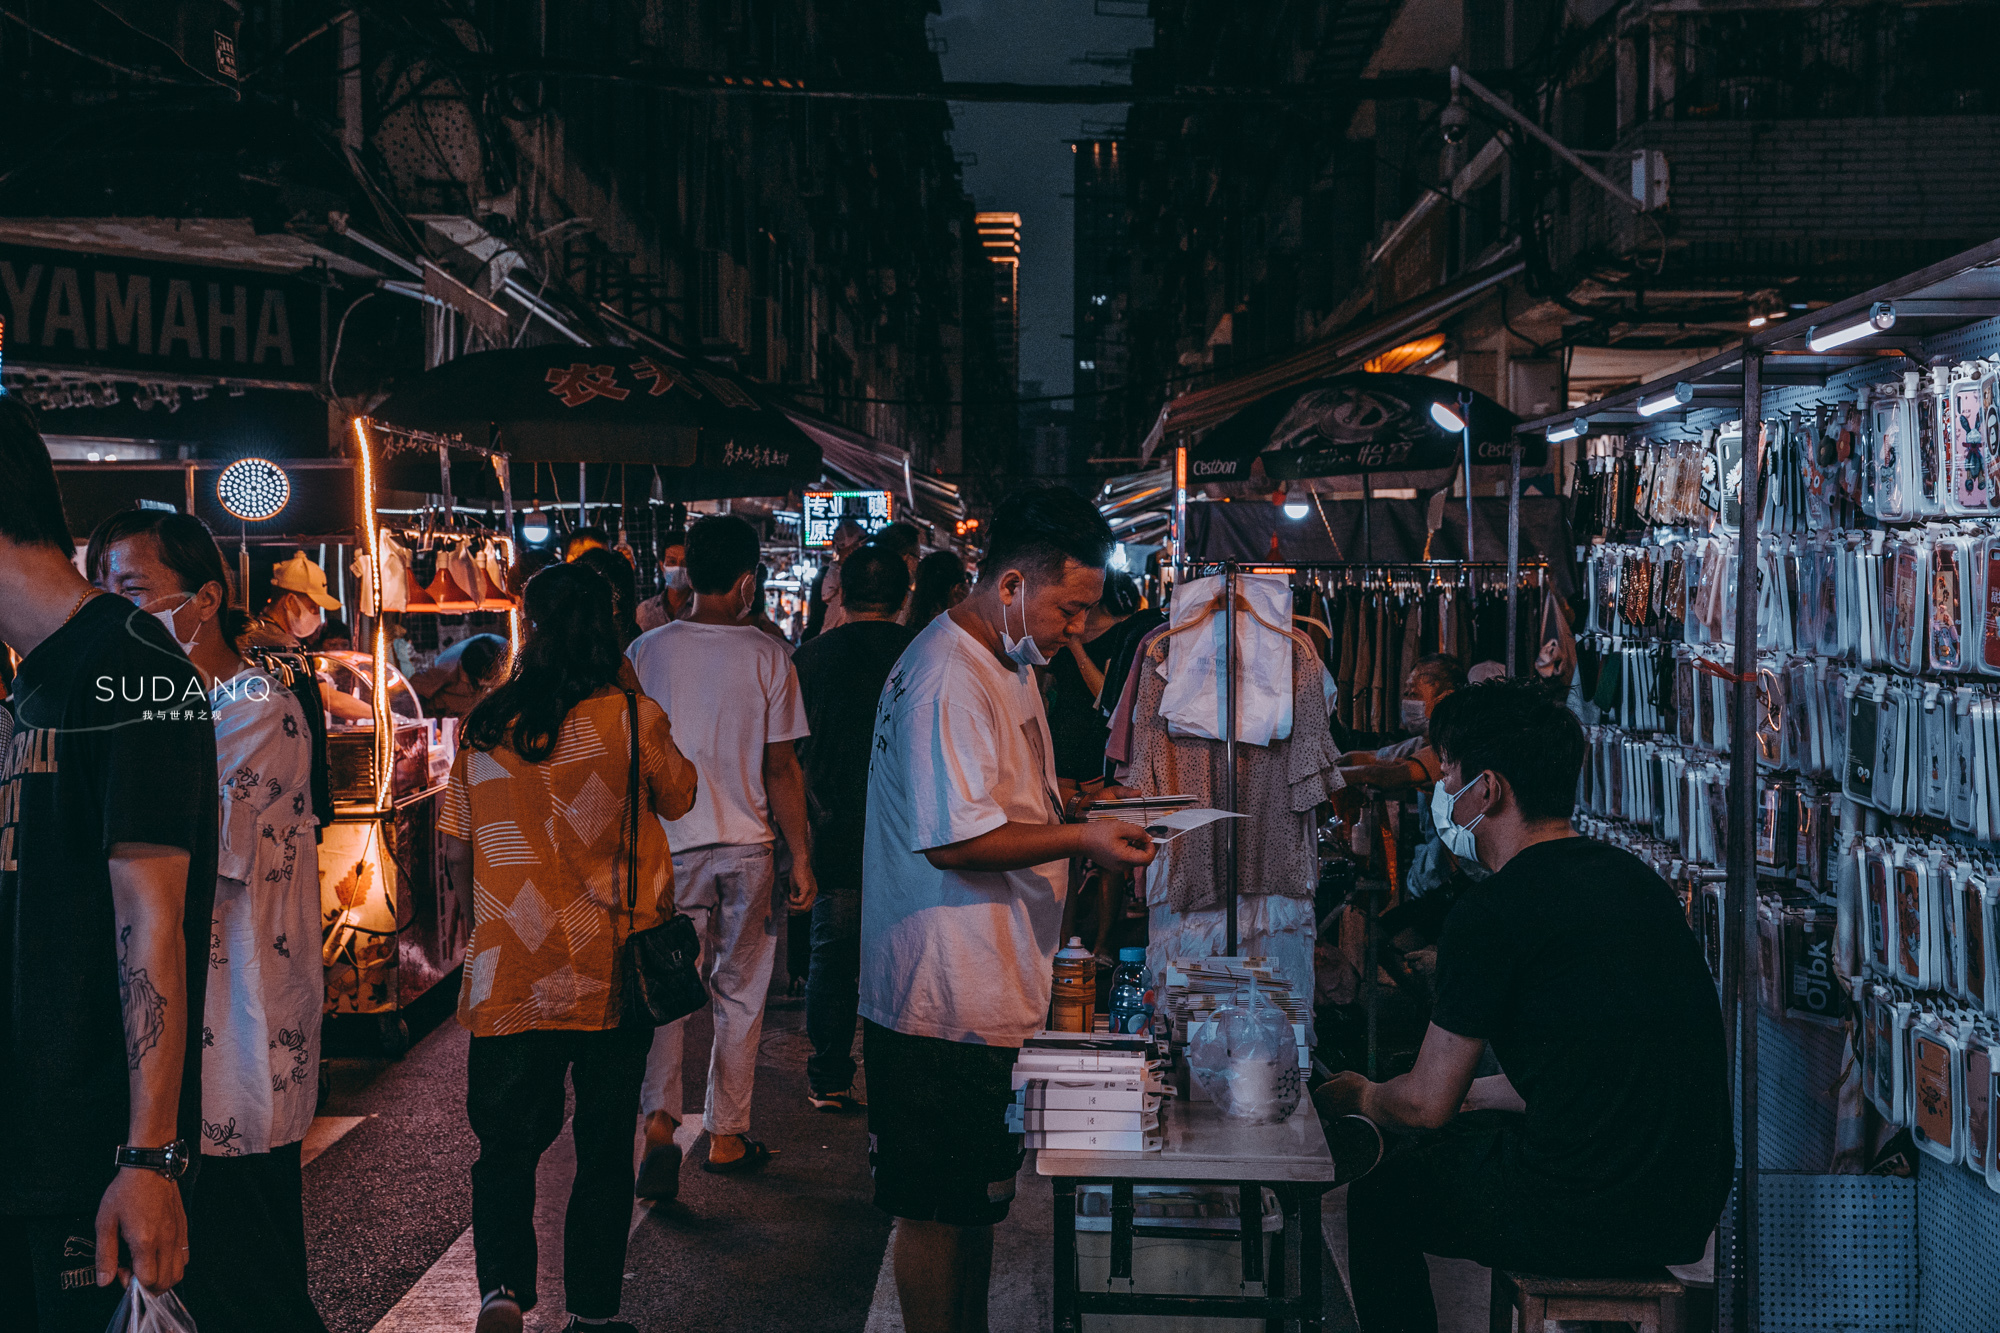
{"x": 733, "y": 698}
{"x": 964, "y": 870}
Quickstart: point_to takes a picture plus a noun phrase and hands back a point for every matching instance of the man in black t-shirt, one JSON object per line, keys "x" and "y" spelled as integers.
{"x": 841, "y": 674}
{"x": 1604, "y": 1146}
{"x": 107, "y": 879}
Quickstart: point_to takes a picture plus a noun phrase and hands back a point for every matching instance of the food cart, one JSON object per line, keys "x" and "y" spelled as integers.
{"x": 395, "y": 921}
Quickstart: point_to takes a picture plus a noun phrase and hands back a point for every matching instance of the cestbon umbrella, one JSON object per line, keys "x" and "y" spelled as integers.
{"x": 1355, "y": 423}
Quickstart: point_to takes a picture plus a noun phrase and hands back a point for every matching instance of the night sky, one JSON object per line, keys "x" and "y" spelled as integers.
{"x": 1024, "y": 156}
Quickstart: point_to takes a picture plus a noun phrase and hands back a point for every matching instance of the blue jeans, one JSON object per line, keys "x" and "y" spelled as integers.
{"x": 833, "y": 987}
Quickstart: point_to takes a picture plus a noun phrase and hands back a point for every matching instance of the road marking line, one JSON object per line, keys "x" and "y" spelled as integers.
{"x": 445, "y": 1299}
{"x": 326, "y": 1131}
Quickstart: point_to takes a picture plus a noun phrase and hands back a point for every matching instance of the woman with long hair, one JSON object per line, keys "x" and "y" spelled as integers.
{"x": 539, "y": 815}
{"x": 941, "y": 584}
{"x": 616, "y": 570}
{"x": 264, "y": 990}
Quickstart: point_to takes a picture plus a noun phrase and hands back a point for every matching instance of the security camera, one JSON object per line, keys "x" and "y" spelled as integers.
{"x": 1452, "y": 121}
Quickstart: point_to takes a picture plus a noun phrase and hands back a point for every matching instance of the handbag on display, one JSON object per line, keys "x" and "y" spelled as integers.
{"x": 662, "y": 964}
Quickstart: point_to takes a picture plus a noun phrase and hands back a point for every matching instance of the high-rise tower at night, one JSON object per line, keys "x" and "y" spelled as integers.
{"x": 1000, "y": 235}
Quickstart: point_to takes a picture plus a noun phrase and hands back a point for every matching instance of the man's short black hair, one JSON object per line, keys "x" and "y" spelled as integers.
{"x": 1520, "y": 731}
{"x": 874, "y": 577}
{"x": 1038, "y": 528}
{"x": 1121, "y": 595}
{"x": 1443, "y": 672}
{"x": 721, "y": 549}
{"x": 31, "y": 508}
{"x": 593, "y": 533}
{"x": 902, "y": 538}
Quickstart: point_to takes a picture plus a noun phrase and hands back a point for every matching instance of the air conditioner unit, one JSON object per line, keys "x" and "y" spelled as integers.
{"x": 1649, "y": 178}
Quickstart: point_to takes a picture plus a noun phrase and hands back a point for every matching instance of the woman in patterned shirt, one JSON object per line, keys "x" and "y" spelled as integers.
{"x": 536, "y": 814}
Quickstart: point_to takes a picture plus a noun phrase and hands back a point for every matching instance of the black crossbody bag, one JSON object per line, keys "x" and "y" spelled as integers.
{"x": 663, "y": 964}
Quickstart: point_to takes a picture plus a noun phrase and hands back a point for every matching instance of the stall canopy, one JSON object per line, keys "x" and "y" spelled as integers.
{"x": 1347, "y": 424}
{"x": 711, "y": 432}
{"x": 868, "y": 462}
{"x": 1199, "y": 409}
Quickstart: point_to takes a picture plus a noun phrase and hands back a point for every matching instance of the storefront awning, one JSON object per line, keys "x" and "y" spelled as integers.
{"x": 869, "y": 463}
{"x": 1199, "y": 409}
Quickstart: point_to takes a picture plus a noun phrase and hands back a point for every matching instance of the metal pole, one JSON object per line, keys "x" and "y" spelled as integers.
{"x": 1513, "y": 552}
{"x": 1739, "y": 976}
{"x": 1465, "y": 435}
{"x": 1367, "y": 529}
{"x": 1180, "y": 508}
{"x": 1229, "y": 747}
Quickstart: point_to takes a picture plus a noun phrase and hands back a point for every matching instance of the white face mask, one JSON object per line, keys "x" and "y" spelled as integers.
{"x": 1414, "y": 717}
{"x": 1023, "y": 650}
{"x": 167, "y": 618}
{"x": 302, "y": 623}
{"x": 1457, "y": 840}
{"x": 674, "y": 578}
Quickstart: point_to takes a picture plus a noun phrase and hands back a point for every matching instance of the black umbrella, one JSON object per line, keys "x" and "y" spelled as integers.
{"x": 1359, "y": 422}
{"x": 711, "y": 432}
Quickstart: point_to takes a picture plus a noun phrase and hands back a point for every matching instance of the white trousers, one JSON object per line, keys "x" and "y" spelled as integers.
{"x": 730, "y": 893}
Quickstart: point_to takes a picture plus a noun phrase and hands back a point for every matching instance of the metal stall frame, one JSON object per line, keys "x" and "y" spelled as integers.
{"x": 1888, "y": 327}
{"x": 1182, "y": 565}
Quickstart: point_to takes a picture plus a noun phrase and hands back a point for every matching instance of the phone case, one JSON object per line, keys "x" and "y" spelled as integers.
{"x": 1930, "y": 453}
{"x": 1907, "y": 600}
{"x": 1945, "y": 644}
{"x": 1937, "y": 1091}
{"x": 1913, "y": 928}
{"x": 1971, "y": 488}
{"x": 1875, "y": 908}
{"x": 1891, "y": 421}
{"x": 1978, "y": 1144}
{"x": 1863, "y": 722}
{"x": 1972, "y": 941}
{"x": 1934, "y": 731}
{"x": 1879, "y": 1058}
{"x": 1950, "y": 940}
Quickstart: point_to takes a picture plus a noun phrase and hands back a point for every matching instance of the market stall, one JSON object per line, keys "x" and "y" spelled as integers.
{"x": 395, "y": 921}
{"x": 1789, "y": 647}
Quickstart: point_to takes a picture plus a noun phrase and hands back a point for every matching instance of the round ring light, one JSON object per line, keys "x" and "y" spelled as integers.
{"x": 253, "y": 489}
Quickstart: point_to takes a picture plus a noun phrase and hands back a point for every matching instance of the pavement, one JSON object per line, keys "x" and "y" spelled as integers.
{"x": 797, "y": 1246}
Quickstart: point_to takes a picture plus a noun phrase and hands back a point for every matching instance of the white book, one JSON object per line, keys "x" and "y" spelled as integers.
{"x": 1086, "y": 1140}
{"x": 1085, "y": 1094}
{"x": 1115, "y": 1062}
{"x": 1035, "y": 1118}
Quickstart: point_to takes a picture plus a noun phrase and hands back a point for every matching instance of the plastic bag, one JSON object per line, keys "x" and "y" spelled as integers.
{"x": 1244, "y": 1059}
{"x": 143, "y": 1312}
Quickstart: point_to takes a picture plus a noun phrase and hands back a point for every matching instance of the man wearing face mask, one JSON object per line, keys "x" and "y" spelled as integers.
{"x": 1411, "y": 762}
{"x": 733, "y": 697}
{"x": 964, "y": 872}
{"x": 298, "y": 595}
{"x": 1604, "y": 1147}
{"x": 671, "y": 602}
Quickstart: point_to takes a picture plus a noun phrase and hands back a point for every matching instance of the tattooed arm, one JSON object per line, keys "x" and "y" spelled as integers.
{"x": 143, "y": 1208}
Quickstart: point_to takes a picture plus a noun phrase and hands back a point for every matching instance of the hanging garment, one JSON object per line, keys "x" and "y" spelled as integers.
{"x": 1277, "y": 787}
{"x": 1193, "y": 701}
{"x": 1118, "y": 748}
{"x": 1350, "y": 648}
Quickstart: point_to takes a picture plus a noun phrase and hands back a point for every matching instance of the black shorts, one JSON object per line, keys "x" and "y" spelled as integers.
{"x": 937, "y": 1127}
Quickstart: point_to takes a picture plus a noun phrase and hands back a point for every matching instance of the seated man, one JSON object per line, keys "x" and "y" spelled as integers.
{"x": 1605, "y": 1147}
{"x": 1411, "y": 762}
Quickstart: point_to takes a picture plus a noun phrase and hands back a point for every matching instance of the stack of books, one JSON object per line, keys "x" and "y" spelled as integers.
{"x": 1140, "y": 810}
{"x": 1086, "y": 1092}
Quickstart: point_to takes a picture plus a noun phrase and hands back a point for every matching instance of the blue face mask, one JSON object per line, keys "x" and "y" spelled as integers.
{"x": 1024, "y": 650}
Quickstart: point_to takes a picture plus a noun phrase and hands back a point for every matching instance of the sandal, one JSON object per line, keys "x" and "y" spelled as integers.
{"x": 754, "y": 1155}
{"x": 836, "y": 1103}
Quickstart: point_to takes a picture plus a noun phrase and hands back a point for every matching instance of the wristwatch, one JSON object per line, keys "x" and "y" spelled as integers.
{"x": 170, "y": 1161}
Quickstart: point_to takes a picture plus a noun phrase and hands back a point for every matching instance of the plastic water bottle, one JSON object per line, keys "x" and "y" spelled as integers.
{"x": 1131, "y": 993}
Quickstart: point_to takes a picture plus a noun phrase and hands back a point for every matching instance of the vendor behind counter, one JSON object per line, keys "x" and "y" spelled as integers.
{"x": 461, "y": 675}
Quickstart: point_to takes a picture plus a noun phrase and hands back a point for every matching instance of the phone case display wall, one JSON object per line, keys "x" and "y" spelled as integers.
{"x": 1876, "y": 733}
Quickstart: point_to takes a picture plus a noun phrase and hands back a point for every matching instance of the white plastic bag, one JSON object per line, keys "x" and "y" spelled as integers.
{"x": 1245, "y": 1061}
{"x": 1192, "y": 701}
{"x": 143, "y": 1312}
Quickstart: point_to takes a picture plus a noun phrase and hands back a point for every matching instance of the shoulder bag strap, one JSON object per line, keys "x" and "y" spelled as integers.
{"x": 632, "y": 805}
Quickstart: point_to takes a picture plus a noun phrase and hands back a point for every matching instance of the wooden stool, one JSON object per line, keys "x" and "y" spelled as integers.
{"x": 1654, "y": 1304}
